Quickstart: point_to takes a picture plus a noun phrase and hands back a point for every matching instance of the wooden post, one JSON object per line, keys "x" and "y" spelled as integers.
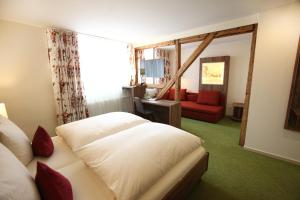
{"x": 178, "y": 64}
{"x": 187, "y": 64}
{"x": 248, "y": 89}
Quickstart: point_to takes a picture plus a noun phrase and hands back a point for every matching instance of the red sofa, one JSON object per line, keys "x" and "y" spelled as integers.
{"x": 205, "y": 108}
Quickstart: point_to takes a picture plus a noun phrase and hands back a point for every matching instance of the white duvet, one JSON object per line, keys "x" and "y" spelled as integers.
{"x": 131, "y": 161}
{"x": 79, "y": 133}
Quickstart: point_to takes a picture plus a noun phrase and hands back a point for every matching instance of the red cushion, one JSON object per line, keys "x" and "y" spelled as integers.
{"x": 166, "y": 96}
{"x": 51, "y": 184}
{"x": 191, "y": 96}
{"x": 42, "y": 144}
{"x": 209, "y": 97}
{"x": 182, "y": 94}
{"x": 193, "y": 106}
{"x": 212, "y": 118}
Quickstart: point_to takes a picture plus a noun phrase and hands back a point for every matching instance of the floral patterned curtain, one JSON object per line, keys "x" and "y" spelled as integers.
{"x": 140, "y": 56}
{"x": 68, "y": 88}
{"x": 131, "y": 56}
{"x": 161, "y": 53}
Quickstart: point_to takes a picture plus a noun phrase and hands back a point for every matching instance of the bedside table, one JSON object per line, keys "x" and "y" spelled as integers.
{"x": 237, "y": 111}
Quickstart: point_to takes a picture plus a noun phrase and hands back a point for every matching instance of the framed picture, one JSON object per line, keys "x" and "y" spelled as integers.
{"x": 292, "y": 121}
{"x": 213, "y": 73}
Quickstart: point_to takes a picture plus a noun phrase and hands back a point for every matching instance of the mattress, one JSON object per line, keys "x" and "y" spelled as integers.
{"x": 86, "y": 183}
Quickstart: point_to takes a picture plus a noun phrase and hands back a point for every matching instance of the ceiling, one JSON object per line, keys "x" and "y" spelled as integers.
{"x": 130, "y": 20}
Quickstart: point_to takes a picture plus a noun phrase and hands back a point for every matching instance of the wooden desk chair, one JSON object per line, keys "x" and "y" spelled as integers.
{"x": 141, "y": 111}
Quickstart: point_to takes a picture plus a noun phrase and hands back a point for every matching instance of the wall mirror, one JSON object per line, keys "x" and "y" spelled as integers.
{"x": 153, "y": 66}
{"x": 292, "y": 121}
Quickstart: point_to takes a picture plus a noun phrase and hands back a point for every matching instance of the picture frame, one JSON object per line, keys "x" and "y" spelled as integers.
{"x": 292, "y": 121}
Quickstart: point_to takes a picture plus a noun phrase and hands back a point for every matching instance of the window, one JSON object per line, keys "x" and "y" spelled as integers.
{"x": 104, "y": 69}
{"x": 151, "y": 69}
{"x": 149, "y": 54}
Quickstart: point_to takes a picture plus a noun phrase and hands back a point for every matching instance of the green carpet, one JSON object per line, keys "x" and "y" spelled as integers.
{"x": 237, "y": 174}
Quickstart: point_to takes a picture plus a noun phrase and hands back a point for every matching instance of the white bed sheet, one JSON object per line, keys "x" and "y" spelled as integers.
{"x": 61, "y": 157}
{"x": 177, "y": 173}
{"x": 131, "y": 161}
{"x": 87, "y": 185}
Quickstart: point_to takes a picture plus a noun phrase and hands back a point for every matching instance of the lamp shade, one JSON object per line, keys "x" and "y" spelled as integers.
{"x": 3, "y": 110}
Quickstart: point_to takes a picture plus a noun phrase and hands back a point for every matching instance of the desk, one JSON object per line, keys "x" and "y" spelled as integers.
{"x": 132, "y": 91}
{"x": 167, "y": 112}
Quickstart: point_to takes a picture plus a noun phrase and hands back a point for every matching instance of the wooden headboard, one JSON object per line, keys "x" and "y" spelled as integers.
{"x": 222, "y": 88}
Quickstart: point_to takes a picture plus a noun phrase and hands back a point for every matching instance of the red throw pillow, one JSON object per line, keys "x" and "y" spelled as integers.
{"x": 166, "y": 96}
{"x": 171, "y": 94}
{"x": 209, "y": 97}
{"x": 51, "y": 184}
{"x": 182, "y": 94}
{"x": 192, "y": 96}
{"x": 42, "y": 144}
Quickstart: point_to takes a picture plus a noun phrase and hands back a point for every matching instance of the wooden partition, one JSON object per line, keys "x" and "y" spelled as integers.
{"x": 206, "y": 39}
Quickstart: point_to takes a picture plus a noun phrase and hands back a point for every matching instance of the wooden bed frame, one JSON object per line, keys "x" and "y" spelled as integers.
{"x": 185, "y": 185}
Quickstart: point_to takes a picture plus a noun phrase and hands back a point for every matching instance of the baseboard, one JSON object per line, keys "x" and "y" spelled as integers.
{"x": 296, "y": 162}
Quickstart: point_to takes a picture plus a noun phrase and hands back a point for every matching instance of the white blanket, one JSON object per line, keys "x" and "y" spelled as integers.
{"x": 79, "y": 133}
{"x": 131, "y": 161}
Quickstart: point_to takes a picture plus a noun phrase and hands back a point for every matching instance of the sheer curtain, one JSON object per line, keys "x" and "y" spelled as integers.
{"x": 105, "y": 68}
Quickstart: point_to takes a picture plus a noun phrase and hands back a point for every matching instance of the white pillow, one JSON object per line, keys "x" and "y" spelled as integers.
{"x": 15, "y": 180}
{"x": 15, "y": 140}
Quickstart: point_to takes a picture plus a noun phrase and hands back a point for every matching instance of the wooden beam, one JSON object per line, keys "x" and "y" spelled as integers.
{"x": 219, "y": 34}
{"x": 248, "y": 89}
{"x": 236, "y": 31}
{"x": 195, "y": 38}
{"x": 160, "y": 44}
{"x": 178, "y": 64}
{"x": 201, "y": 37}
{"x": 187, "y": 64}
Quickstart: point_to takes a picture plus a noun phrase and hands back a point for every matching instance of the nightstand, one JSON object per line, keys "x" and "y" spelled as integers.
{"x": 237, "y": 111}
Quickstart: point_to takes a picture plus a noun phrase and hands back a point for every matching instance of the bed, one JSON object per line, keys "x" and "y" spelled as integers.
{"x": 108, "y": 139}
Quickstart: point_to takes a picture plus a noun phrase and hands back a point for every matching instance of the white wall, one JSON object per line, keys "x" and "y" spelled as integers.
{"x": 238, "y": 48}
{"x": 277, "y": 40}
{"x": 25, "y": 79}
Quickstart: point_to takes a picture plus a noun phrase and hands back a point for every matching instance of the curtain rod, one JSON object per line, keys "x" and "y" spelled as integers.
{"x": 89, "y": 34}
{"x": 103, "y": 37}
